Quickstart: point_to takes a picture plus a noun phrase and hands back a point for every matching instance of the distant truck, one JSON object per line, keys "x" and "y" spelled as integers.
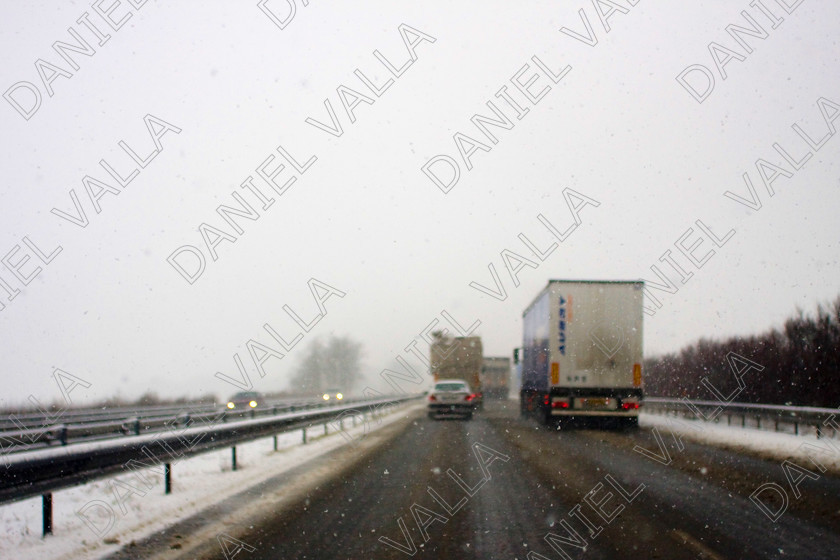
{"x": 517, "y": 369}
{"x": 458, "y": 358}
{"x": 495, "y": 373}
{"x": 582, "y": 348}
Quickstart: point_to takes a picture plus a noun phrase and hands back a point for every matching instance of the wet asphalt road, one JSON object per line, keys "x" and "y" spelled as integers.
{"x": 500, "y": 487}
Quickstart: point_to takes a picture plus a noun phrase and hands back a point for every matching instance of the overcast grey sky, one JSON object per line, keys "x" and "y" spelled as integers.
{"x": 212, "y": 89}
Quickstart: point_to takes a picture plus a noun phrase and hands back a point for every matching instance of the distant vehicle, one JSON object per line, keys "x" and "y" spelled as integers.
{"x": 495, "y": 373}
{"x": 459, "y": 358}
{"x": 583, "y": 351}
{"x": 452, "y": 396}
{"x": 332, "y": 394}
{"x": 246, "y": 400}
{"x": 517, "y": 369}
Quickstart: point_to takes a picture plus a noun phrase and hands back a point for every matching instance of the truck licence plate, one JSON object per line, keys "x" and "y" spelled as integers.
{"x": 597, "y": 402}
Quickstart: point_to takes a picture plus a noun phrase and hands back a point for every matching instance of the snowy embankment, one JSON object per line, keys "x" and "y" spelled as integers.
{"x": 769, "y": 445}
{"x": 197, "y": 482}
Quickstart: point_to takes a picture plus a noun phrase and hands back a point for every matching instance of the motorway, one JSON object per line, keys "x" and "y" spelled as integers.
{"x": 505, "y": 487}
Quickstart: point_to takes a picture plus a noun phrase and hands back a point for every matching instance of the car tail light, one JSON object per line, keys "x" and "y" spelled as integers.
{"x": 545, "y": 400}
{"x": 560, "y": 404}
{"x": 470, "y": 397}
{"x": 629, "y": 405}
{"x": 432, "y": 398}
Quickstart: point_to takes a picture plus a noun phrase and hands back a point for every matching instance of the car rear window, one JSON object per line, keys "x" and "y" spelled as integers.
{"x": 450, "y": 387}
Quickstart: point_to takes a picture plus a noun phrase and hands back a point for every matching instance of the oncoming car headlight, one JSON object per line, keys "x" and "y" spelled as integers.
{"x": 253, "y": 404}
{"x": 231, "y": 405}
{"x": 326, "y": 397}
{"x": 339, "y": 396}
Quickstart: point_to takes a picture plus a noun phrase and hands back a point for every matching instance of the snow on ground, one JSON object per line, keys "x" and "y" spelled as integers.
{"x": 770, "y": 445}
{"x": 197, "y": 482}
{"x": 200, "y": 481}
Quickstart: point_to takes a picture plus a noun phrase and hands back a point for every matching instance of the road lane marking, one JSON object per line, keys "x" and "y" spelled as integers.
{"x": 704, "y": 551}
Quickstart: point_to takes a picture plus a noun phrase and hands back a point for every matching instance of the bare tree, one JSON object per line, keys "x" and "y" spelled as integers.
{"x": 335, "y": 363}
{"x": 801, "y": 360}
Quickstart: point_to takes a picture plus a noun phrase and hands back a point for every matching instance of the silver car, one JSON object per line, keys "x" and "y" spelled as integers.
{"x": 451, "y": 397}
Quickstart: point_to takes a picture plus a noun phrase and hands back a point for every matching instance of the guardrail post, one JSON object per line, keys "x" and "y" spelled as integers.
{"x": 325, "y": 428}
{"x": 744, "y": 420}
{"x": 46, "y": 511}
{"x": 62, "y": 434}
{"x": 304, "y": 436}
{"x": 167, "y": 479}
{"x": 136, "y": 426}
{"x": 233, "y": 457}
{"x": 275, "y": 442}
{"x": 758, "y": 422}
{"x": 819, "y": 431}
{"x": 796, "y": 428}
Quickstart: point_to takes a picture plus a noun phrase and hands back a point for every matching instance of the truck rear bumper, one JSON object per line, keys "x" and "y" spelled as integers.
{"x": 581, "y": 412}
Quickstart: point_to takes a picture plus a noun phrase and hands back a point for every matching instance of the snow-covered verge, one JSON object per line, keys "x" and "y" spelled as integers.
{"x": 770, "y": 445}
{"x": 196, "y": 483}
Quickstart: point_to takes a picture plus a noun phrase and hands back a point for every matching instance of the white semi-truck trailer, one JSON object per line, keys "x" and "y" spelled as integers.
{"x": 582, "y": 351}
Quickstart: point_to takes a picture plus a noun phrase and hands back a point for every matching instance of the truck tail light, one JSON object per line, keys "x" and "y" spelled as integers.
{"x": 560, "y": 404}
{"x": 629, "y": 405}
{"x": 432, "y": 398}
{"x": 545, "y": 400}
{"x": 470, "y": 397}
